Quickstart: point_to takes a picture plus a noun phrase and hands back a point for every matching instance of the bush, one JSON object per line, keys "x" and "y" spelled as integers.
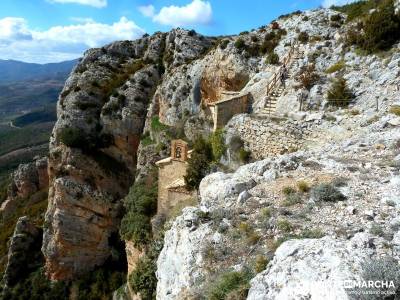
{"x": 244, "y": 155}
{"x": 378, "y": 270}
{"x": 268, "y": 46}
{"x": 228, "y": 283}
{"x": 303, "y": 186}
{"x": 143, "y": 280}
{"x": 156, "y": 125}
{"x": 336, "y": 67}
{"x": 198, "y": 163}
{"x": 284, "y": 225}
{"x": 303, "y": 37}
{"x": 339, "y": 94}
{"x": 309, "y": 77}
{"x": 140, "y": 205}
{"x": 240, "y": 44}
{"x": 73, "y": 137}
{"x": 381, "y": 29}
{"x": 292, "y": 199}
{"x": 356, "y": 9}
{"x": 218, "y": 144}
{"x": 288, "y": 190}
{"x": 261, "y": 263}
{"x": 327, "y": 193}
{"x": 272, "y": 59}
{"x": 395, "y": 109}
{"x": 336, "y": 18}
{"x": 224, "y": 44}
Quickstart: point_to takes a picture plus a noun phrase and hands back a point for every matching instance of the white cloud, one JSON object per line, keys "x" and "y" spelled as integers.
{"x": 94, "y": 3}
{"x": 82, "y": 20}
{"x": 198, "y": 12}
{"x": 329, "y": 3}
{"x": 58, "y": 43}
{"x": 147, "y": 11}
{"x": 13, "y": 29}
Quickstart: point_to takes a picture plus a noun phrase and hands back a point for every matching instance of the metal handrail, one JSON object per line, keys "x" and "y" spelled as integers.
{"x": 271, "y": 85}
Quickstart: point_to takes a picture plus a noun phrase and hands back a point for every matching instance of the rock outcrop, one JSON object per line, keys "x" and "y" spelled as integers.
{"x": 24, "y": 252}
{"x": 25, "y": 181}
{"x": 317, "y": 269}
{"x": 94, "y": 146}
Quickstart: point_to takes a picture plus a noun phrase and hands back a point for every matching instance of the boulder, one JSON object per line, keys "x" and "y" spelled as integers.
{"x": 312, "y": 269}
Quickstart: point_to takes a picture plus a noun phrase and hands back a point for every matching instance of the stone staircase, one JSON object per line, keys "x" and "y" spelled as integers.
{"x": 275, "y": 87}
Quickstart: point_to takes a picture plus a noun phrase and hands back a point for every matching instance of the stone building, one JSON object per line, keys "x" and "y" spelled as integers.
{"x": 233, "y": 103}
{"x": 171, "y": 184}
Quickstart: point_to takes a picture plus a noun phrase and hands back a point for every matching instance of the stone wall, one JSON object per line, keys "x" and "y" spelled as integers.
{"x": 223, "y": 111}
{"x": 169, "y": 171}
{"x": 270, "y": 136}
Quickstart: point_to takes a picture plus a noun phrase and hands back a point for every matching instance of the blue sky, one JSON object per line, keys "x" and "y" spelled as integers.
{"x": 54, "y": 30}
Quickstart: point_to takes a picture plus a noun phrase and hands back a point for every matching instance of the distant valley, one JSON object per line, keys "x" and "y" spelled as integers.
{"x": 28, "y": 97}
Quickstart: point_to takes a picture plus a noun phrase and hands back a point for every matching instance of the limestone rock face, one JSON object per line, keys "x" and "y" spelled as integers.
{"x": 26, "y": 180}
{"x": 180, "y": 261}
{"x": 24, "y": 252}
{"x": 397, "y": 6}
{"x": 313, "y": 268}
{"x": 225, "y": 71}
{"x": 29, "y": 178}
{"x": 102, "y": 112}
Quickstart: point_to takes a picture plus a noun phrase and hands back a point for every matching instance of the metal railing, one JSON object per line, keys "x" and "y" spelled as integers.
{"x": 272, "y": 84}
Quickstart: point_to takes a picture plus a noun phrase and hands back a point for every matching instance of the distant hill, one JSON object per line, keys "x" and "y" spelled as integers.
{"x": 12, "y": 70}
{"x": 28, "y": 97}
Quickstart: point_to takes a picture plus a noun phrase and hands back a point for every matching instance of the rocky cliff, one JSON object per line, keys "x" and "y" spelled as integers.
{"x": 319, "y": 202}
{"x": 93, "y": 149}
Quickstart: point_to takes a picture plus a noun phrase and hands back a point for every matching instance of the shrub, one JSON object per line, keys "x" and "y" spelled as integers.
{"x": 272, "y": 59}
{"x": 224, "y": 44}
{"x": 339, "y": 94}
{"x": 395, "y": 109}
{"x": 303, "y": 37}
{"x": 218, "y": 144}
{"x": 260, "y": 264}
{"x": 381, "y": 29}
{"x": 336, "y": 67}
{"x": 327, "y": 192}
{"x": 309, "y": 77}
{"x": 275, "y": 25}
{"x": 156, "y": 125}
{"x": 270, "y": 36}
{"x": 85, "y": 105}
{"x": 73, "y": 137}
{"x": 140, "y": 205}
{"x": 292, "y": 199}
{"x": 356, "y": 9}
{"x": 228, "y": 283}
{"x": 266, "y": 212}
{"x": 143, "y": 279}
{"x": 240, "y": 44}
{"x": 336, "y": 18}
{"x": 284, "y": 225}
{"x": 198, "y": 163}
{"x": 253, "y": 238}
{"x": 244, "y": 155}
{"x": 288, "y": 190}
{"x": 378, "y": 270}
{"x": 268, "y": 46}
{"x": 303, "y": 186}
